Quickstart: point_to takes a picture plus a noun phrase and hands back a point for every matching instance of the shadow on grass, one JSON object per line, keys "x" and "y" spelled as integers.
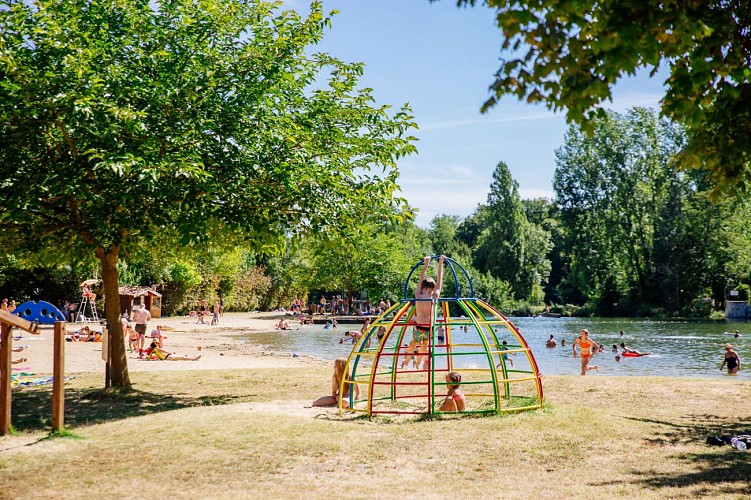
{"x": 32, "y": 409}
{"x": 719, "y": 471}
{"x": 722, "y": 470}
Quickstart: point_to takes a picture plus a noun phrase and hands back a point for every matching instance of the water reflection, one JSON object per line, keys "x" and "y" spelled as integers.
{"x": 692, "y": 349}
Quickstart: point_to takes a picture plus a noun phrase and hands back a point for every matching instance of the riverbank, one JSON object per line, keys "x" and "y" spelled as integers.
{"x": 239, "y": 423}
{"x": 218, "y": 345}
{"x": 252, "y": 433}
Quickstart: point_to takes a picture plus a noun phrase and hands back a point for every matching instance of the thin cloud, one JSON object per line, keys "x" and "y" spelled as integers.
{"x": 490, "y": 121}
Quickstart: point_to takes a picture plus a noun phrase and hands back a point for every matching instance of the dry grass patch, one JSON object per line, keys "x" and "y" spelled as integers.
{"x": 252, "y": 434}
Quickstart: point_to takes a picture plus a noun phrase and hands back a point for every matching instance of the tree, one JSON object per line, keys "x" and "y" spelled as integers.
{"x": 569, "y": 55}
{"x": 510, "y": 247}
{"x": 125, "y": 121}
{"x": 615, "y": 193}
{"x": 443, "y": 237}
{"x": 375, "y": 260}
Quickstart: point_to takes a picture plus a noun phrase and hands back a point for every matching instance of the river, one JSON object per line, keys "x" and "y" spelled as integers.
{"x": 680, "y": 348}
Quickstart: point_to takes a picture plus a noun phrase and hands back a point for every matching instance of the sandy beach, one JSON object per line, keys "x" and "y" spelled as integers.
{"x": 218, "y": 345}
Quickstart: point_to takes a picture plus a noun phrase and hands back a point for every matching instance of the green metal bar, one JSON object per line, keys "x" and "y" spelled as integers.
{"x": 502, "y": 361}
{"x": 471, "y": 312}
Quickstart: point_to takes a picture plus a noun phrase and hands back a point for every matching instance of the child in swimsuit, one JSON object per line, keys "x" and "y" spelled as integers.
{"x": 588, "y": 348}
{"x": 455, "y": 400}
{"x": 336, "y": 385}
{"x": 426, "y": 292}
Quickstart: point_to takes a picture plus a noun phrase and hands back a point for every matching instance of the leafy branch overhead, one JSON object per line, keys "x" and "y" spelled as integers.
{"x": 128, "y": 123}
{"x": 569, "y": 55}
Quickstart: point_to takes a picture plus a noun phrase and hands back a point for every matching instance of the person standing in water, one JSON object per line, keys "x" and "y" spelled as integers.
{"x": 732, "y": 360}
{"x": 587, "y": 349}
{"x": 426, "y": 292}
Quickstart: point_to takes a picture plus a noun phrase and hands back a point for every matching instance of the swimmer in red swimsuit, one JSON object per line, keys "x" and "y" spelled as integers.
{"x": 588, "y": 349}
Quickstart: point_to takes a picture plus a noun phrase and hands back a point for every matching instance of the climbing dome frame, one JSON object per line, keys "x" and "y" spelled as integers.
{"x": 465, "y": 335}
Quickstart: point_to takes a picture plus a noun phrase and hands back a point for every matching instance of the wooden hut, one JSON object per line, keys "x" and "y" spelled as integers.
{"x": 141, "y": 296}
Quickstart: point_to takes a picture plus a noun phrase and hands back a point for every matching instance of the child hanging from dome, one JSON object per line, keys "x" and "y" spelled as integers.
{"x": 426, "y": 291}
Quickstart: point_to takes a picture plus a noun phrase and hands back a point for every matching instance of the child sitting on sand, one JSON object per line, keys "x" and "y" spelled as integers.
{"x": 455, "y": 400}
{"x": 336, "y": 385}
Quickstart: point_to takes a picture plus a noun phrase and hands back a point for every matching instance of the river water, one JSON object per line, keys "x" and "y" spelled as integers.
{"x": 685, "y": 349}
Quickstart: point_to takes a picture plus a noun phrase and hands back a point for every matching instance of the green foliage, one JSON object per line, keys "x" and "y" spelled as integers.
{"x": 612, "y": 190}
{"x": 443, "y": 236}
{"x": 248, "y": 291}
{"x": 135, "y": 123}
{"x": 54, "y": 285}
{"x": 568, "y": 55}
{"x": 743, "y": 291}
{"x": 509, "y": 246}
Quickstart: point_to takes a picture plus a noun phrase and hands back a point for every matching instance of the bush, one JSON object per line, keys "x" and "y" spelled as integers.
{"x": 248, "y": 290}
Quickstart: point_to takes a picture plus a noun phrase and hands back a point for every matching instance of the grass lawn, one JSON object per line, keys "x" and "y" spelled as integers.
{"x": 237, "y": 434}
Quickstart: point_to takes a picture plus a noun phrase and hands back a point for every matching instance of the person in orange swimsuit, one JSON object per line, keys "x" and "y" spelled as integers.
{"x": 587, "y": 348}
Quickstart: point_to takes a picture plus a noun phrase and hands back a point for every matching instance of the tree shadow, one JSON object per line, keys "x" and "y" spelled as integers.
{"x": 722, "y": 470}
{"x": 32, "y": 409}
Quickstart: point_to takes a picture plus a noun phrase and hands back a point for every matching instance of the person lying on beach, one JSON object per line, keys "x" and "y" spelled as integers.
{"x": 82, "y": 335}
{"x": 154, "y": 352}
{"x": 93, "y": 337}
{"x": 336, "y": 384}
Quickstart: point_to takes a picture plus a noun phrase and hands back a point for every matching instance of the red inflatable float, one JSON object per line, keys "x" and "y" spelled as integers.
{"x": 635, "y": 354}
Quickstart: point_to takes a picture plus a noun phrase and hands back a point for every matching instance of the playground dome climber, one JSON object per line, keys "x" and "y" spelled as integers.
{"x": 465, "y": 335}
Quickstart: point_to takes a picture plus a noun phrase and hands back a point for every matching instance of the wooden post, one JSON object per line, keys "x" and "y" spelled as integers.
{"x": 5, "y": 372}
{"x": 58, "y": 377}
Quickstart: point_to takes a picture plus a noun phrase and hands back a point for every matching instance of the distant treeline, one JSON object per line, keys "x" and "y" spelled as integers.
{"x": 625, "y": 235}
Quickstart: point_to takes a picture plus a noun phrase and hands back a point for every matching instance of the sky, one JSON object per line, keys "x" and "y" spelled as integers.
{"x": 441, "y": 59}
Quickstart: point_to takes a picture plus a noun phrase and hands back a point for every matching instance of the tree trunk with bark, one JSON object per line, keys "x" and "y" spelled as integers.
{"x": 117, "y": 375}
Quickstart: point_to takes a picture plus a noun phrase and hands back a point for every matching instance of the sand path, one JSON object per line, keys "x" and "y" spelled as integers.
{"x": 220, "y": 348}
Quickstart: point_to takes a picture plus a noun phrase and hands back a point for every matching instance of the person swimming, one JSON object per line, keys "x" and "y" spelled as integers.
{"x": 632, "y": 352}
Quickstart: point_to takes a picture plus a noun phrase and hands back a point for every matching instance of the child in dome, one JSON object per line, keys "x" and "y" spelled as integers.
{"x": 455, "y": 400}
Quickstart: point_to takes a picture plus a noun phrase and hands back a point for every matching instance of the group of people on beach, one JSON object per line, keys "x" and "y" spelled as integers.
{"x": 216, "y": 311}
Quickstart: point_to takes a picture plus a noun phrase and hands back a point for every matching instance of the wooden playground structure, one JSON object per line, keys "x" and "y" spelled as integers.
{"x": 7, "y": 322}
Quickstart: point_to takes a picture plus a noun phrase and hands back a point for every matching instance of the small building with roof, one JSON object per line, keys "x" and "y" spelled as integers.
{"x": 141, "y": 296}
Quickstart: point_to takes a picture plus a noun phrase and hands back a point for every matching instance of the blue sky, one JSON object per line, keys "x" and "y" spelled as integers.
{"x": 440, "y": 59}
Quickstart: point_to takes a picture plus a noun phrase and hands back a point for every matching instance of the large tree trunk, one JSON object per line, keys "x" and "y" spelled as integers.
{"x": 117, "y": 374}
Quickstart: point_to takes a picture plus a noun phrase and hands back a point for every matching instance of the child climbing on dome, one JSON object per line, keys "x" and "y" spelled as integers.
{"x": 455, "y": 400}
{"x": 336, "y": 384}
{"x": 426, "y": 292}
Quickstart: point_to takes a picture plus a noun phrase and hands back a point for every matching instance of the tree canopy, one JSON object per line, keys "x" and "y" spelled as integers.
{"x": 123, "y": 121}
{"x": 569, "y": 55}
